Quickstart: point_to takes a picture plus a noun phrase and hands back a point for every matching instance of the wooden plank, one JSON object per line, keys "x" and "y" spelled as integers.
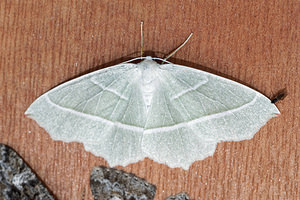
{"x": 44, "y": 43}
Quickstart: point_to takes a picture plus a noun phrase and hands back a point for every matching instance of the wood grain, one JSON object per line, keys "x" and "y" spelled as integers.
{"x": 44, "y": 43}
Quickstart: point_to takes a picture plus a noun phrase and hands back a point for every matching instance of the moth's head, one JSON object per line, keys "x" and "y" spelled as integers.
{"x": 148, "y": 68}
{"x": 148, "y": 63}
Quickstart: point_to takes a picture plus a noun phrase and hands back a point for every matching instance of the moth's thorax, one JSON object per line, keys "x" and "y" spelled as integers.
{"x": 148, "y": 69}
{"x": 148, "y": 79}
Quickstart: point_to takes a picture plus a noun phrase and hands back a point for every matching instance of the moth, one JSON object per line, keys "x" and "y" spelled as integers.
{"x": 170, "y": 113}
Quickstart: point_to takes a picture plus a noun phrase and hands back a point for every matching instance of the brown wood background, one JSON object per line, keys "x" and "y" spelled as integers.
{"x": 44, "y": 43}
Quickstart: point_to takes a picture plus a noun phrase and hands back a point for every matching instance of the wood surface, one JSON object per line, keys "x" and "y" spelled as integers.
{"x": 45, "y": 43}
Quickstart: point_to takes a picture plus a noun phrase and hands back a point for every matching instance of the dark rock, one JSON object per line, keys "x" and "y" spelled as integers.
{"x": 113, "y": 184}
{"x": 17, "y": 181}
{"x": 180, "y": 196}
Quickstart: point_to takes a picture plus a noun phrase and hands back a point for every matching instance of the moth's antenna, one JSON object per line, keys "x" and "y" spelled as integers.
{"x": 279, "y": 96}
{"x": 142, "y": 39}
{"x": 173, "y": 52}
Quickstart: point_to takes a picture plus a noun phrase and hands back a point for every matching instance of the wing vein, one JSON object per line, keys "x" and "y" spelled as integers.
{"x": 196, "y": 90}
{"x": 203, "y": 118}
{"x": 177, "y": 130}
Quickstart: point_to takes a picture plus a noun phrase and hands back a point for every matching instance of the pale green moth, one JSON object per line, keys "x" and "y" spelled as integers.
{"x": 170, "y": 113}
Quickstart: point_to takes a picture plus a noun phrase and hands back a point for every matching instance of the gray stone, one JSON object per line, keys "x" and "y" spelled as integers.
{"x": 113, "y": 184}
{"x": 180, "y": 196}
{"x": 17, "y": 181}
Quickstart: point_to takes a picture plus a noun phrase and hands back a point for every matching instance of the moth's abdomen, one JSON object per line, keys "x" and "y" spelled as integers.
{"x": 147, "y": 92}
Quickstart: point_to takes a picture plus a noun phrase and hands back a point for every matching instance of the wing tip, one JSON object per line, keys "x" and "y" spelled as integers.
{"x": 276, "y": 111}
{"x": 27, "y": 112}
